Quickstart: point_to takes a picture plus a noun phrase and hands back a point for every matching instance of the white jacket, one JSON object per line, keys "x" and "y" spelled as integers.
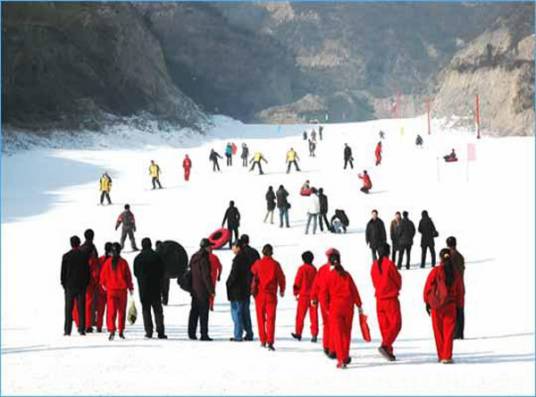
{"x": 313, "y": 204}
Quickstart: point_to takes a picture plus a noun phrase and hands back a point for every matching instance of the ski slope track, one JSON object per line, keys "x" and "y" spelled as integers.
{"x": 50, "y": 194}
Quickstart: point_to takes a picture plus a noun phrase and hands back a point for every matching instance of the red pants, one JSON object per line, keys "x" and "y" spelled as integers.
{"x": 304, "y": 305}
{"x": 444, "y": 324}
{"x": 101, "y": 304}
{"x": 265, "y": 306}
{"x": 390, "y": 321}
{"x": 340, "y": 320}
{"x": 378, "y": 160}
{"x": 117, "y": 305}
{"x": 327, "y": 342}
{"x": 90, "y": 293}
{"x": 186, "y": 174}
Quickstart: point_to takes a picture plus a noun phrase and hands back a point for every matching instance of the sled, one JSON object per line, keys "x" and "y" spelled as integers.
{"x": 175, "y": 258}
{"x": 219, "y": 238}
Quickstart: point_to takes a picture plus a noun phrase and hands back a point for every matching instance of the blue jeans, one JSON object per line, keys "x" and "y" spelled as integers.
{"x": 246, "y": 319}
{"x": 283, "y": 213}
{"x": 237, "y": 308}
{"x": 310, "y": 217}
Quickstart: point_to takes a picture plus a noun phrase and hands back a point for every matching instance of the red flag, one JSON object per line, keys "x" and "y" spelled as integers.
{"x": 471, "y": 152}
{"x": 365, "y": 331}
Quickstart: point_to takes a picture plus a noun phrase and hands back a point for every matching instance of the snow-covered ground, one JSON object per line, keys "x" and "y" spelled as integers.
{"x": 50, "y": 194}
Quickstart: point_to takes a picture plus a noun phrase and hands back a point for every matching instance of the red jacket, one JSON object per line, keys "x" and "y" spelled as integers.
{"x": 187, "y": 163}
{"x": 98, "y": 269}
{"x": 455, "y": 291}
{"x": 387, "y": 283}
{"x": 118, "y": 279}
{"x": 303, "y": 283}
{"x": 267, "y": 275}
{"x": 320, "y": 283}
{"x": 215, "y": 267}
{"x": 366, "y": 180}
{"x": 341, "y": 289}
{"x": 378, "y": 150}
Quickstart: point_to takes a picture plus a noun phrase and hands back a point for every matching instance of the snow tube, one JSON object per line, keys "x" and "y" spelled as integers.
{"x": 219, "y": 238}
{"x": 174, "y": 257}
{"x": 342, "y": 217}
{"x": 306, "y": 191}
{"x": 450, "y": 159}
{"x": 234, "y": 148}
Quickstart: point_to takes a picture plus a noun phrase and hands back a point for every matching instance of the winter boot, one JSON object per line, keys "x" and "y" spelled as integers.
{"x": 99, "y": 330}
{"x": 112, "y": 336}
{"x": 332, "y": 355}
{"x": 89, "y": 330}
{"x": 263, "y": 344}
{"x": 314, "y": 339}
{"x": 162, "y": 336}
{"x": 348, "y": 360}
{"x": 271, "y": 347}
{"x": 121, "y": 335}
{"x": 206, "y": 338}
{"x": 296, "y": 336}
{"x": 148, "y": 336}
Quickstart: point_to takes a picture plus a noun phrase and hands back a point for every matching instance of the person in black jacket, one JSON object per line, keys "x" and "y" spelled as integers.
{"x": 282, "y": 205}
{"x": 406, "y": 232}
{"x": 252, "y": 255}
{"x": 214, "y": 156}
{"x": 149, "y": 270}
{"x": 232, "y": 216}
{"x": 270, "y": 205}
{"x": 74, "y": 280}
{"x": 323, "y": 209}
{"x": 375, "y": 234}
{"x": 428, "y": 233}
{"x": 348, "y": 158}
{"x": 238, "y": 284}
{"x": 202, "y": 290}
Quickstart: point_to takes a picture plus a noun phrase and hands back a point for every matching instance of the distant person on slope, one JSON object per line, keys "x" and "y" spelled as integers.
{"x": 367, "y": 183}
{"x": 283, "y": 205}
{"x": 229, "y": 154}
{"x": 256, "y": 161}
{"x": 428, "y": 233}
{"x": 313, "y": 135}
{"x": 292, "y": 158}
{"x": 214, "y": 156}
{"x": 381, "y": 134}
{"x": 348, "y": 158}
{"x": 244, "y": 155}
{"x": 270, "y": 205}
{"x": 126, "y": 218}
{"x": 187, "y": 165}
{"x": 375, "y": 234}
{"x": 303, "y": 285}
{"x": 320, "y": 130}
{"x": 406, "y": 232}
{"x": 312, "y": 148}
{"x": 419, "y": 141}
{"x": 232, "y": 216}
{"x": 154, "y": 171}
{"x": 378, "y": 153}
{"x": 304, "y": 135}
{"x": 105, "y": 185}
{"x": 449, "y": 158}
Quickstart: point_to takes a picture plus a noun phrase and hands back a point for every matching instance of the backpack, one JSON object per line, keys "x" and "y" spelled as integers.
{"x": 438, "y": 294}
{"x": 185, "y": 281}
{"x": 342, "y": 217}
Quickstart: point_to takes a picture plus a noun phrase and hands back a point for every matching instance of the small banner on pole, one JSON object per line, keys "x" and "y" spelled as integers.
{"x": 471, "y": 152}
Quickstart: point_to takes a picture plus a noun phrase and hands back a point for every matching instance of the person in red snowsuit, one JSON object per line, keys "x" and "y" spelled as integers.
{"x": 215, "y": 275}
{"x": 387, "y": 283}
{"x": 116, "y": 279}
{"x": 101, "y": 293}
{"x": 303, "y": 285}
{"x": 378, "y": 153}
{"x": 341, "y": 294}
{"x": 317, "y": 297}
{"x": 267, "y": 276}
{"x": 367, "y": 183}
{"x": 444, "y": 316}
{"x": 187, "y": 165}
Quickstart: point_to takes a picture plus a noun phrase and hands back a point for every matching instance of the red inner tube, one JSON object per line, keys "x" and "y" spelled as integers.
{"x": 219, "y": 238}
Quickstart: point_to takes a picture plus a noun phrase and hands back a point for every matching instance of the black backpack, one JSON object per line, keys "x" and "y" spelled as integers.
{"x": 342, "y": 216}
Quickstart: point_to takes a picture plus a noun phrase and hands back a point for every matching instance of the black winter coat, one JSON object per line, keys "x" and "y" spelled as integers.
{"x": 149, "y": 270}
{"x": 375, "y": 233}
{"x": 347, "y": 153}
{"x": 270, "y": 200}
{"x": 201, "y": 282}
{"x": 74, "y": 270}
{"x": 406, "y": 232}
{"x": 281, "y": 197}
{"x": 323, "y": 203}
{"x": 232, "y": 216}
{"x": 238, "y": 282}
{"x": 428, "y": 232}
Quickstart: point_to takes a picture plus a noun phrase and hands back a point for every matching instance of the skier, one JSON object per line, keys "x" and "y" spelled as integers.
{"x": 318, "y": 296}
{"x": 458, "y": 262}
{"x": 74, "y": 280}
{"x": 229, "y": 154}
{"x": 443, "y": 295}
{"x": 406, "y": 232}
{"x": 367, "y": 183}
{"x": 101, "y": 293}
{"x": 282, "y": 205}
{"x": 187, "y": 165}
{"x": 348, "y": 158}
{"x": 252, "y": 255}
{"x": 320, "y": 130}
{"x": 312, "y": 148}
{"x": 256, "y": 160}
{"x": 238, "y": 284}
{"x": 303, "y": 284}
{"x": 270, "y": 205}
{"x": 149, "y": 270}
{"x": 342, "y": 294}
{"x": 154, "y": 171}
{"x": 215, "y": 274}
{"x": 115, "y": 278}
{"x": 292, "y": 158}
{"x": 322, "y": 218}
{"x": 214, "y": 156}
{"x": 393, "y": 231}
{"x": 129, "y": 227}
{"x": 419, "y": 141}
{"x": 244, "y": 155}
{"x": 92, "y": 260}
{"x": 378, "y": 153}
{"x": 387, "y": 283}
{"x": 105, "y": 185}
{"x": 375, "y": 234}
{"x": 451, "y": 157}
{"x": 313, "y": 209}
{"x": 202, "y": 291}
{"x": 232, "y": 216}
{"x": 267, "y": 277}
{"x": 381, "y": 134}
{"x": 428, "y": 233}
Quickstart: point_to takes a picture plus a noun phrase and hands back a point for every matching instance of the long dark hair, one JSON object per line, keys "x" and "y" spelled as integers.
{"x": 383, "y": 252}
{"x": 116, "y": 250}
{"x": 448, "y": 266}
